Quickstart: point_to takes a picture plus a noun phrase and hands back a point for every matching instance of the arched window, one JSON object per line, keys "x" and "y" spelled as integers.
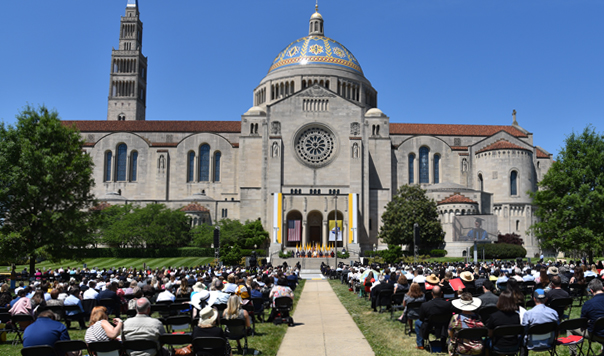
{"x": 411, "y": 170}
{"x": 514, "y": 183}
{"x": 204, "y": 163}
{"x": 436, "y": 169}
{"x": 108, "y": 156}
{"x": 217, "y": 156}
{"x": 121, "y": 162}
{"x": 191, "y": 167}
{"x": 133, "y": 166}
{"x": 480, "y": 182}
{"x": 424, "y": 167}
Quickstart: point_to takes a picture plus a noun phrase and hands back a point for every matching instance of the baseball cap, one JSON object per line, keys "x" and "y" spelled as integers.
{"x": 539, "y": 294}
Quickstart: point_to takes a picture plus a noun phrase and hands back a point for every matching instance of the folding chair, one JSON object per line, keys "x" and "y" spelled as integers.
{"x": 384, "y": 299}
{"x": 44, "y": 350}
{"x": 577, "y": 291}
{"x": 598, "y": 326}
{"x": 177, "y": 323}
{"x": 513, "y": 333}
{"x": 111, "y": 305}
{"x": 396, "y": 303}
{"x": 542, "y": 337}
{"x": 258, "y": 308}
{"x": 17, "y": 320}
{"x": 67, "y": 319}
{"x": 179, "y": 309}
{"x": 106, "y": 348}
{"x": 162, "y": 309}
{"x": 437, "y": 324}
{"x": 250, "y": 310}
{"x": 70, "y": 346}
{"x": 141, "y": 345}
{"x": 570, "y": 339}
{"x": 414, "y": 306}
{"x": 88, "y": 305}
{"x": 560, "y": 305}
{"x": 175, "y": 339}
{"x": 208, "y": 345}
{"x": 470, "y": 334}
{"x": 236, "y": 330}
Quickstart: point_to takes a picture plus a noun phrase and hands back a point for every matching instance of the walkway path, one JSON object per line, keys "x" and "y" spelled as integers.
{"x": 323, "y": 326}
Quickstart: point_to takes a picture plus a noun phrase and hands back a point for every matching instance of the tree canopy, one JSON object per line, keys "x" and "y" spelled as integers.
{"x": 409, "y": 206}
{"x": 570, "y": 199}
{"x": 45, "y": 185}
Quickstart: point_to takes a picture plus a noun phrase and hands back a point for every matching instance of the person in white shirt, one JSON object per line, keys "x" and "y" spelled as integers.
{"x": 165, "y": 296}
{"x": 420, "y": 276}
{"x": 91, "y": 292}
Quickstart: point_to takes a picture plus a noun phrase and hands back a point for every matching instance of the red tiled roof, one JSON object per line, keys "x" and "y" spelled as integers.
{"x": 456, "y": 198}
{"x": 100, "y": 206}
{"x": 194, "y": 207}
{"x": 155, "y": 126}
{"x": 453, "y": 130}
{"x": 541, "y": 154}
{"x": 459, "y": 148}
{"x": 502, "y": 145}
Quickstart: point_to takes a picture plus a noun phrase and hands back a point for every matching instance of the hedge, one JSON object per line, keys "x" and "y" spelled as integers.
{"x": 500, "y": 251}
{"x": 153, "y": 253}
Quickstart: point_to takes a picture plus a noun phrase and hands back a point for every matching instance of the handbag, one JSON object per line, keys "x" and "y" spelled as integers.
{"x": 187, "y": 350}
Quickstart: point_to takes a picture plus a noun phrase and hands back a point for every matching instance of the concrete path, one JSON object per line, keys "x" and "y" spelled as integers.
{"x": 323, "y": 326}
{"x": 311, "y": 274}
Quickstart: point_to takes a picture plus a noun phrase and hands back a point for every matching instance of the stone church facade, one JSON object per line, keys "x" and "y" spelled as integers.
{"x": 313, "y": 138}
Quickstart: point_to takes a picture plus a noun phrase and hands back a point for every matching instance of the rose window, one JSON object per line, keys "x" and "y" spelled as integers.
{"x": 315, "y": 146}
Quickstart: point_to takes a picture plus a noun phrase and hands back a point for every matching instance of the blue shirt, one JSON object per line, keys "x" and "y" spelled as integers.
{"x": 44, "y": 331}
{"x": 592, "y": 310}
{"x": 73, "y": 300}
{"x": 540, "y": 314}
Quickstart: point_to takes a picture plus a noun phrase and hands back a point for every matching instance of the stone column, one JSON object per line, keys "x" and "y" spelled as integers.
{"x": 325, "y": 233}
{"x": 345, "y": 234}
{"x": 304, "y": 232}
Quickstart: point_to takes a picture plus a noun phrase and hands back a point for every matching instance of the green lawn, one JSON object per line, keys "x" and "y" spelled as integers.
{"x": 267, "y": 339}
{"x": 108, "y": 262}
{"x": 378, "y": 327}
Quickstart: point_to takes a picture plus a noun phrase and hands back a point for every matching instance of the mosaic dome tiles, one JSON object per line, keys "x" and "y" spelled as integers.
{"x": 316, "y": 50}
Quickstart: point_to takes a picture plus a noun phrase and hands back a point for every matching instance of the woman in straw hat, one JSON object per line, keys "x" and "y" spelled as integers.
{"x": 207, "y": 328}
{"x": 467, "y": 319}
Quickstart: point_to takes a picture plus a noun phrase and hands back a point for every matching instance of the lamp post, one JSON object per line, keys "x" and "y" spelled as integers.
{"x": 335, "y": 215}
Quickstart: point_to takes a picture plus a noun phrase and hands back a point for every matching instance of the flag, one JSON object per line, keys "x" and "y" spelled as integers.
{"x": 332, "y": 230}
{"x": 294, "y": 230}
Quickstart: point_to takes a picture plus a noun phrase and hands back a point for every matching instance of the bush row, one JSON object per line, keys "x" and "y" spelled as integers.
{"x": 430, "y": 253}
{"x": 500, "y": 251}
{"x": 153, "y": 253}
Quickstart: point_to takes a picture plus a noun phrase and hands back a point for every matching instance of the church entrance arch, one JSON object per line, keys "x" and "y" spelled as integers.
{"x": 332, "y": 228}
{"x": 315, "y": 223}
{"x": 294, "y": 229}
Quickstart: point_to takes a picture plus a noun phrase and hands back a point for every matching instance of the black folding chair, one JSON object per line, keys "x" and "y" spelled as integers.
{"x": 577, "y": 291}
{"x": 570, "y": 339}
{"x": 141, "y": 345}
{"x": 258, "y": 308}
{"x": 177, "y": 323}
{"x": 560, "y": 305}
{"x": 547, "y": 332}
{"x": 470, "y": 334}
{"x": 236, "y": 330}
{"x": 111, "y": 305}
{"x": 598, "y": 326}
{"x": 88, "y": 305}
{"x": 175, "y": 339}
{"x": 44, "y": 350}
{"x": 107, "y": 348}
{"x": 208, "y": 346}
{"x": 437, "y": 325}
{"x": 512, "y": 333}
{"x": 396, "y": 303}
{"x": 179, "y": 309}
{"x": 17, "y": 320}
{"x": 410, "y": 306}
{"x": 384, "y": 299}
{"x": 162, "y": 309}
{"x": 75, "y": 317}
{"x": 71, "y": 346}
{"x": 250, "y": 310}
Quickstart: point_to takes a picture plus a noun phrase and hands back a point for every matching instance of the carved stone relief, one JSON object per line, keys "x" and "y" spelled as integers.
{"x": 355, "y": 129}
{"x": 275, "y": 128}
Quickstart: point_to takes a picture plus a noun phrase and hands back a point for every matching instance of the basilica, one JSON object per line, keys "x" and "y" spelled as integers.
{"x": 314, "y": 158}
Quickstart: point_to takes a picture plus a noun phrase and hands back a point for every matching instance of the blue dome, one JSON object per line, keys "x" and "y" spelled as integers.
{"x": 316, "y": 50}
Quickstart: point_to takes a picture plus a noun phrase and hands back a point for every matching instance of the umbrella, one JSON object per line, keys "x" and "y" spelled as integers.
{"x": 376, "y": 274}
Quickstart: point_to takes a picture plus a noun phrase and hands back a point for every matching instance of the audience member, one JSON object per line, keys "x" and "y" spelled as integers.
{"x": 467, "y": 319}
{"x": 507, "y": 314}
{"x": 488, "y": 298}
{"x": 46, "y": 330}
{"x": 540, "y": 314}
{"x": 143, "y": 327}
{"x": 100, "y": 329}
{"x": 437, "y": 305}
{"x": 207, "y": 328}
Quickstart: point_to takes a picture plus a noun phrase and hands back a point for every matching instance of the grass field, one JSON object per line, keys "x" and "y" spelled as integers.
{"x": 378, "y": 327}
{"x": 121, "y": 262}
{"x": 266, "y": 341}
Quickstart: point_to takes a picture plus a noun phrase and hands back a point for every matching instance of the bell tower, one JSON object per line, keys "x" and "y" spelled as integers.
{"x": 128, "y": 78}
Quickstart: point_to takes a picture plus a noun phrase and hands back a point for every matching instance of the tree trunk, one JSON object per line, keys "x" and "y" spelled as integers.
{"x": 32, "y": 266}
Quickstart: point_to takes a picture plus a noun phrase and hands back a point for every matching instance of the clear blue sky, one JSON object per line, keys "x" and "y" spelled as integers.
{"x": 431, "y": 61}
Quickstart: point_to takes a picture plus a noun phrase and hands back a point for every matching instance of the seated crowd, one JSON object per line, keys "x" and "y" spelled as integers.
{"x": 441, "y": 299}
{"x": 208, "y": 297}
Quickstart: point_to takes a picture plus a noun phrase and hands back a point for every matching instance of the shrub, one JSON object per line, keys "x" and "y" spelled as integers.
{"x": 287, "y": 254}
{"x": 343, "y": 255}
{"x": 438, "y": 253}
{"x": 500, "y": 251}
{"x": 512, "y": 238}
{"x": 153, "y": 253}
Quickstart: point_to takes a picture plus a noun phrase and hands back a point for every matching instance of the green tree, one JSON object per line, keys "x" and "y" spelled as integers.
{"x": 570, "y": 199}
{"x": 45, "y": 184}
{"x": 409, "y": 206}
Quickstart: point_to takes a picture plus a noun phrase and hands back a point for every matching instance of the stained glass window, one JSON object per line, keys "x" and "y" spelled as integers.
{"x": 108, "y": 157}
{"x": 514, "y": 183}
{"x": 191, "y": 167}
{"x": 436, "y": 169}
{"x": 424, "y": 168}
{"x": 204, "y": 163}
{"x": 411, "y": 172}
{"x": 133, "y": 166}
{"x": 217, "y": 156}
{"x": 121, "y": 162}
